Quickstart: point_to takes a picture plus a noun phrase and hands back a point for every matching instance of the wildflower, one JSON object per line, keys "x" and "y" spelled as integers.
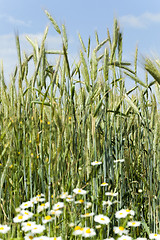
{"x": 124, "y": 237}
{"x": 98, "y": 226}
{"x": 38, "y": 228}
{"x": 41, "y": 238}
{"x": 22, "y": 217}
{"x": 77, "y": 231}
{"x": 27, "y": 226}
{"x": 26, "y": 205}
{"x": 154, "y": 236}
{"x": 58, "y": 205}
{"x": 118, "y": 160}
{"x": 129, "y": 212}
{"x": 88, "y": 204}
{"x": 47, "y": 219}
{"x": 140, "y": 190}
{"x": 107, "y": 203}
{"x": 87, "y": 215}
{"x": 79, "y": 191}
{"x": 55, "y": 238}
{"x": 42, "y": 207}
{"x": 104, "y": 184}
{"x": 4, "y": 229}
{"x": 29, "y": 236}
{"x": 111, "y": 194}
{"x": 79, "y": 201}
{"x": 121, "y": 214}
{"x": 109, "y": 238}
{"x": 120, "y": 230}
{"x": 102, "y": 219}
{"x": 57, "y": 213}
{"x": 95, "y": 163}
{"x": 71, "y": 224}
{"x": 27, "y": 214}
{"x": 134, "y": 224}
{"x": 69, "y": 198}
{"x": 38, "y": 198}
{"x": 139, "y": 238}
{"x": 64, "y": 195}
{"x": 88, "y": 232}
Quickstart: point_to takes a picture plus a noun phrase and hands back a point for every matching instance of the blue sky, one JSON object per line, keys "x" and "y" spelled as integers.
{"x": 139, "y": 22}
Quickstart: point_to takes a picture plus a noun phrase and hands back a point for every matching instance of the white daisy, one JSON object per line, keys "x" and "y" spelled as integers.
{"x": 109, "y": 203}
{"x": 58, "y": 205}
{"x": 27, "y": 214}
{"x": 4, "y": 229}
{"x": 77, "y": 231}
{"x": 42, "y": 207}
{"x": 134, "y": 224}
{"x": 139, "y": 238}
{"x": 55, "y": 238}
{"x": 47, "y": 219}
{"x": 124, "y": 237}
{"x": 102, "y": 219}
{"x": 121, "y": 214}
{"x": 38, "y": 228}
{"x": 118, "y": 160}
{"x": 88, "y": 232}
{"x": 64, "y": 195}
{"x": 154, "y": 236}
{"x": 87, "y": 215}
{"x": 56, "y": 213}
{"x": 27, "y": 204}
{"x": 79, "y": 191}
{"x": 104, "y": 184}
{"x": 29, "y": 236}
{"x": 111, "y": 194}
{"x": 27, "y": 226}
{"x": 109, "y": 238}
{"x": 95, "y": 163}
{"x": 79, "y": 201}
{"x": 120, "y": 230}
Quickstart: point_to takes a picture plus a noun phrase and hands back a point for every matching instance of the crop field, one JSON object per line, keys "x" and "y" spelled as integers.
{"x": 79, "y": 151}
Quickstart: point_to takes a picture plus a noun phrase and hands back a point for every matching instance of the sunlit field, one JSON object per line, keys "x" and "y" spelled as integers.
{"x": 79, "y": 151}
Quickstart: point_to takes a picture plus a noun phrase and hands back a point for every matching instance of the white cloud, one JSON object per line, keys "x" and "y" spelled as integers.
{"x": 141, "y": 21}
{"x": 14, "y": 21}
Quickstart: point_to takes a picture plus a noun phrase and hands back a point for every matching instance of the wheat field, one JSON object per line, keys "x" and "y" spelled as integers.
{"x": 79, "y": 152}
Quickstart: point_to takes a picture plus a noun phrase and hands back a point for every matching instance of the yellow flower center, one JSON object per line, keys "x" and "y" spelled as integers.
{"x": 30, "y": 237}
{"x": 77, "y": 228}
{"x": 87, "y": 214}
{"x": 88, "y": 231}
{"x": 133, "y": 223}
{"x": 26, "y": 213}
{"x": 102, "y": 219}
{"x": 1, "y": 228}
{"x": 20, "y": 217}
{"x": 81, "y": 200}
{"x": 29, "y": 224}
{"x": 79, "y": 190}
{"x": 48, "y": 217}
{"x": 155, "y": 235}
{"x": 121, "y": 228}
{"x": 127, "y": 210}
{"x": 42, "y": 205}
